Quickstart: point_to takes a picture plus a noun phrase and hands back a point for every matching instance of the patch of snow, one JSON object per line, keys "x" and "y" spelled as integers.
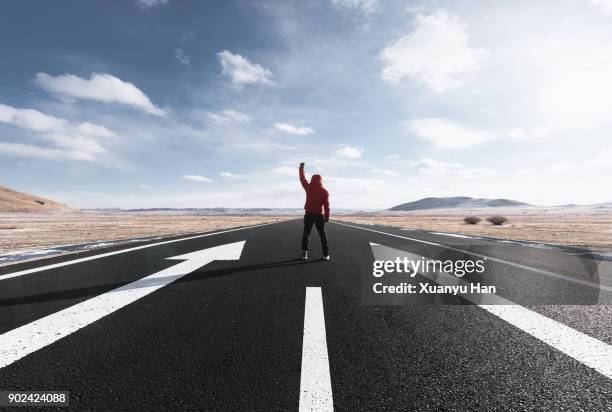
{"x": 455, "y": 235}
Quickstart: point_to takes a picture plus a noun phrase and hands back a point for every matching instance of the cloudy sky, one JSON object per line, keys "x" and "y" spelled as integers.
{"x": 167, "y": 103}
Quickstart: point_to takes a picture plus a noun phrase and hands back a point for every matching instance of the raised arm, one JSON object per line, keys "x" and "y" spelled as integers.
{"x": 303, "y": 180}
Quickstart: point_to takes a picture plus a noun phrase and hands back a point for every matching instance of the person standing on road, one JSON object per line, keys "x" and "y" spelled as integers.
{"x": 317, "y": 211}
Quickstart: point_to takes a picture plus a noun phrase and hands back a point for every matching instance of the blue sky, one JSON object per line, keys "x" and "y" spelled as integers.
{"x": 172, "y": 103}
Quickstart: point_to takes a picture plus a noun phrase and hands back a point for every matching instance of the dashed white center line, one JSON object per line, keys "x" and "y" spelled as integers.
{"x": 315, "y": 381}
{"x": 585, "y": 349}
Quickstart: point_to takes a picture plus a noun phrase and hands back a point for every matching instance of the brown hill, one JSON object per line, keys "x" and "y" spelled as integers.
{"x": 12, "y": 201}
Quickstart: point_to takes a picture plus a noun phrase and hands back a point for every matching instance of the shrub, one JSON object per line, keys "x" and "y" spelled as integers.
{"x": 497, "y": 220}
{"x": 471, "y": 220}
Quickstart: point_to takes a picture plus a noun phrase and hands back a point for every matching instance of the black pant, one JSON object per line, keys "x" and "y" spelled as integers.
{"x": 319, "y": 222}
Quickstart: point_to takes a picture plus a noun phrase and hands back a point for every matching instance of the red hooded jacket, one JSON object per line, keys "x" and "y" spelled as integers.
{"x": 317, "y": 198}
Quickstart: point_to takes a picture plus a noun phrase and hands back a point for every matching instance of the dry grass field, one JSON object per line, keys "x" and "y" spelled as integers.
{"x": 24, "y": 232}
{"x": 20, "y": 232}
{"x": 591, "y": 230}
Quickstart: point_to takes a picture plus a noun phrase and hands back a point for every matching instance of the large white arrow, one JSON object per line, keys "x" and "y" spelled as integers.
{"x": 29, "y": 338}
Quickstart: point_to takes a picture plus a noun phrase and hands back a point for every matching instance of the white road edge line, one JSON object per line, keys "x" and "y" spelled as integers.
{"x": 506, "y": 262}
{"x": 315, "y": 380}
{"x": 583, "y": 348}
{"x": 34, "y": 336}
{"x": 117, "y": 252}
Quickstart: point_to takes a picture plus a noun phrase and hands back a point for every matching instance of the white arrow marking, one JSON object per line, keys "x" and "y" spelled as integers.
{"x": 121, "y": 251}
{"x": 315, "y": 381}
{"x": 29, "y": 338}
{"x": 585, "y": 349}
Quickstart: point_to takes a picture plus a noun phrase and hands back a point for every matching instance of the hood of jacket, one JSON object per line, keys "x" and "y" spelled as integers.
{"x": 316, "y": 180}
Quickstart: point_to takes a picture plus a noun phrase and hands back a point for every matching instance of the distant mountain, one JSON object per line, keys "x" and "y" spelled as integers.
{"x": 459, "y": 202}
{"x": 13, "y": 201}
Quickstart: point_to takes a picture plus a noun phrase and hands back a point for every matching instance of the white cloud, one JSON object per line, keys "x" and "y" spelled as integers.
{"x": 262, "y": 146}
{"x": 581, "y": 92}
{"x": 345, "y": 191}
{"x": 291, "y": 129}
{"x": 330, "y": 163}
{"x": 604, "y": 159}
{"x": 560, "y": 167}
{"x": 605, "y": 6}
{"x": 348, "y": 152}
{"x": 152, "y": 4}
{"x": 386, "y": 172}
{"x": 392, "y": 156}
{"x": 367, "y": 7}
{"x": 229, "y": 175}
{"x": 99, "y": 87}
{"x": 436, "y": 53}
{"x": 241, "y": 71}
{"x": 285, "y": 171}
{"x": 144, "y": 186}
{"x": 535, "y": 132}
{"x": 31, "y": 119}
{"x": 445, "y": 134}
{"x": 182, "y": 57}
{"x": 473, "y": 173}
{"x": 36, "y": 152}
{"x": 525, "y": 172}
{"x": 456, "y": 171}
{"x": 435, "y": 167}
{"x": 197, "y": 178}
{"x": 229, "y": 116}
{"x": 77, "y": 141}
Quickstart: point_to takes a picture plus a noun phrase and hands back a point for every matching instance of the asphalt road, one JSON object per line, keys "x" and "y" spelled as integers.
{"x": 246, "y": 334}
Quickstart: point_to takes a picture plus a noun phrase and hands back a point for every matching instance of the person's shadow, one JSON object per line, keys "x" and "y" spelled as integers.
{"x": 95, "y": 290}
